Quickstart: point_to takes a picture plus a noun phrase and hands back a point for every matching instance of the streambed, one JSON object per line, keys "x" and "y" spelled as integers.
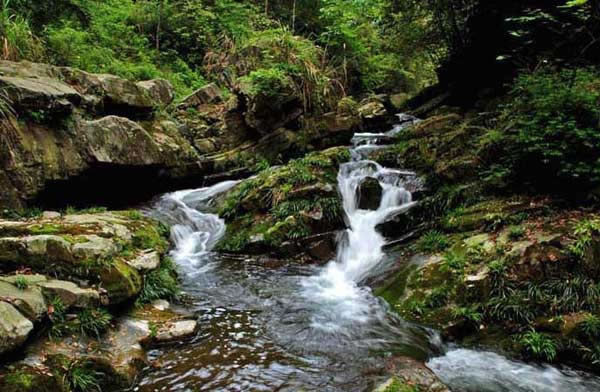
{"x": 290, "y": 327}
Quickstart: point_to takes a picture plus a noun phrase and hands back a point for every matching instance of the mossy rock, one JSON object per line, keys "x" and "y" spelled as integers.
{"x": 121, "y": 281}
{"x": 24, "y": 378}
{"x": 283, "y": 204}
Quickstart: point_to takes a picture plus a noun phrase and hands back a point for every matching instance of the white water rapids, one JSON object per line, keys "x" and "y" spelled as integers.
{"x": 291, "y": 327}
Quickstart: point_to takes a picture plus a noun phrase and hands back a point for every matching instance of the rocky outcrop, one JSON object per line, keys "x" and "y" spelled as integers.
{"x": 108, "y": 250}
{"x": 291, "y": 210}
{"x": 73, "y": 125}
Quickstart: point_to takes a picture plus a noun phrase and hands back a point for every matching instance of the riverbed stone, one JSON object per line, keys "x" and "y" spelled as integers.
{"x": 14, "y": 328}
{"x": 174, "y": 331}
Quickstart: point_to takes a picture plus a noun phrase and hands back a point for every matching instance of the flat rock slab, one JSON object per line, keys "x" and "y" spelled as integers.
{"x": 29, "y": 301}
{"x": 70, "y": 294}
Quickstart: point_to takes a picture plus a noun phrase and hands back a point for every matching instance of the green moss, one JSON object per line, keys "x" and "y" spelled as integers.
{"x": 277, "y": 205}
{"x": 120, "y": 281}
{"x": 400, "y": 386}
{"x": 150, "y": 236}
{"x": 46, "y": 228}
{"x": 27, "y": 379}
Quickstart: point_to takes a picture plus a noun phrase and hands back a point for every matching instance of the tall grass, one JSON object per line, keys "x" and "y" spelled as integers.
{"x": 16, "y": 37}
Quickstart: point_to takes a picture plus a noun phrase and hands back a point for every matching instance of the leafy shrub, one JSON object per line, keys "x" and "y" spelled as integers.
{"x": 591, "y": 326}
{"x": 555, "y": 137}
{"x": 538, "y": 345}
{"x": 432, "y": 241}
{"x": 583, "y": 232}
{"x": 160, "y": 284}
{"x": 93, "y": 322}
{"x": 21, "y": 283}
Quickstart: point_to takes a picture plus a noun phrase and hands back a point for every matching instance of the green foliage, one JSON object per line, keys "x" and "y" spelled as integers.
{"x": 432, "y": 241}
{"x": 516, "y": 232}
{"x": 16, "y": 36}
{"x": 591, "y": 326}
{"x": 555, "y": 137}
{"x": 81, "y": 377}
{"x": 148, "y": 236}
{"x": 538, "y": 345}
{"x": 93, "y": 321}
{"x": 399, "y": 386}
{"x": 160, "y": 284}
{"x": 21, "y": 283}
{"x": 468, "y": 313}
{"x": 583, "y": 232}
{"x": 454, "y": 262}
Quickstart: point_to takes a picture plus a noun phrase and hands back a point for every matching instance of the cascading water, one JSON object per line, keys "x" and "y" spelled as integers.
{"x": 293, "y": 327}
{"x": 360, "y": 250}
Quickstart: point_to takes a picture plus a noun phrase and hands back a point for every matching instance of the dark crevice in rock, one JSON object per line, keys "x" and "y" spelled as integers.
{"x": 112, "y": 186}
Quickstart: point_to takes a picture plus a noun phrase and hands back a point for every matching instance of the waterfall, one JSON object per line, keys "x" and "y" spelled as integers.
{"x": 193, "y": 232}
{"x": 360, "y": 249}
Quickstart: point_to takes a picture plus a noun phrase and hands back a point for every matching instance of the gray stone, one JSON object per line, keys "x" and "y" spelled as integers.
{"x": 51, "y": 215}
{"x": 160, "y": 90}
{"x": 29, "y": 301}
{"x": 14, "y": 328}
{"x": 176, "y": 331}
{"x": 70, "y": 294}
{"x": 204, "y": 95}
{"x": 95, "y": 247}
{"x": 145, "y": 261}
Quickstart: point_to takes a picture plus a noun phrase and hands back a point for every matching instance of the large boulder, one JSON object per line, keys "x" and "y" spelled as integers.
{"x": 160, "y": 90}
{"x": 14, "y": 328}
{"x": 268, "y": 110}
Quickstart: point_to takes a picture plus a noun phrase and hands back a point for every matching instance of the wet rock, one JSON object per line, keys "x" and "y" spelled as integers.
{"x": 161, "y": 304}
{"x": 119, "y": 140}
{"x": 160, "y": 90}
{"x": 266, "y": 112}
{"x": 125, "y": 97}
{"x": 29, "y": 301}
{"x": 70, "y": 294}
{"x": 94, "y": 247}
{"x": 399, "y": 100}
{"x": 14, "y": 328}
{"x": 172, "y": 331}
{"x": 369, "y": 194}
{"x": 121, "y": 281}
{"x": 476, "y": 286}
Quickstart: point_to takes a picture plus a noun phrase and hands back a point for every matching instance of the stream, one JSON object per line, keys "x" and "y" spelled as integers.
{"x": 290, "y": 327}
